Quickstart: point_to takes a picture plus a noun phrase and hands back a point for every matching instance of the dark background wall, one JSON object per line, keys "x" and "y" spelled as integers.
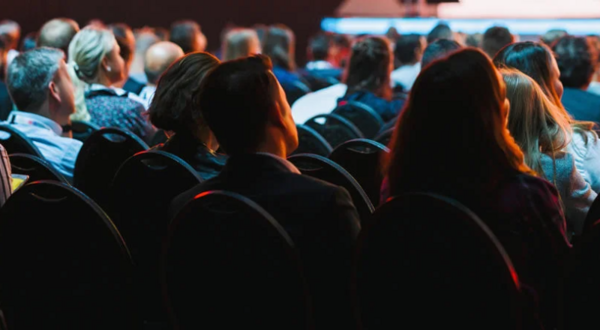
{"x": 303, "y": 16}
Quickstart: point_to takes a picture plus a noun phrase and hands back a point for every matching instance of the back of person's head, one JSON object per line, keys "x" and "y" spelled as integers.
{"x": 537, "y": 125}
{"x": 58, "y": 33}
{"x": 474, "y": 40}
{"x": 161, "y": 33}
{"x": 29, "y": 42}
{"x": 244, "y": 105}
{"x": 319, "y": 47}
{"x": 240, "y": 43}
{"x": 174, "y": 107}
{"x": 575, "y": 58}
{"x": 280, "y": 47}
{"x": 34, "y": 76}
{"x": 143, "y": 40}
{"x": 371, "y": 64}
{"x": 496, "y": 38}
{"x": 464, "y": 92}
{"x": 188, "y": 35}
{"x": 409, "y": 49}
{"x": 438, "y": 49}
{"x": 440, "y": 31}
{"x": 159, "y": 58}
{"x": 552, "y": 35}
{"x": 11, "y": 31}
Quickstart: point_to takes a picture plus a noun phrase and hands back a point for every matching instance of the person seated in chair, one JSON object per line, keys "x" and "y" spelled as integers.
{"x": 40, "y": 86}
{"x": 247, "y": 110}
{"x": 159, "y": 58}
{"x": 58, "y": 33}
{"x": 320, "y": 71}
{"x": 408, "y": 51}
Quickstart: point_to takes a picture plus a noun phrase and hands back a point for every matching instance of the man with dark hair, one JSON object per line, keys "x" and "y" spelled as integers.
{"x": 188, "y": 35}
{"x": 577, "y": 66}
{"x": 438, "y": 49}
{"x": 319, "y": 50}
{"x": 58, "y": 33}
{"x": 496, "y": 38}
{"x": 408, "y": 52}
{"x": 440, "y": 31}
{"x": 247, "y": 110}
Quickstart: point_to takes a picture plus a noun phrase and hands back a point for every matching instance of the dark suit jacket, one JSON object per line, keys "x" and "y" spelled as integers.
{"x": 582, "y": 105}
{"x": 133, "y": 86}
{"x": 5, "y": 102}
{"x": 319, "y": 217}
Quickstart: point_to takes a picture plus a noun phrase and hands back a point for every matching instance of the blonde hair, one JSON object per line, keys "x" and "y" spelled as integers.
{"x": 86, "y": 52}
{"x": 237, "y": 43}
{"x": 537, "y": 125}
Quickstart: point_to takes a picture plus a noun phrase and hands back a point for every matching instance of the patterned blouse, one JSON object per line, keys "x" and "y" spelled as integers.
{"x": 109, "y": 109}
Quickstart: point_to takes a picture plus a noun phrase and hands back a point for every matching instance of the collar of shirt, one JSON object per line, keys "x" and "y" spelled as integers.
{"x": 319, "y": 65}
{"x": 284, "y": 162}
{"x": 98, "y": 87}
{"x": 27, "y": 118}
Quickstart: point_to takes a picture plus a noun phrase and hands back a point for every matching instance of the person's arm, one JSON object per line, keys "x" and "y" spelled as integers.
{"x": 5, "y": 177}
{"x": 591, "y": 162}
{"x": 578, "y": 200}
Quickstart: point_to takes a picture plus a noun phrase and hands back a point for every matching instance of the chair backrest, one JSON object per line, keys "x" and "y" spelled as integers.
{"x": 16, "y": 142}
{"x": 312, "y": 142}
{"x": 367, "y": 120}
{"x": 159, "y": 137}
{"x": 100, "y": 158}
{"x": 295, "y": 90}
{"x": 335, "y": 129}
{"x": 324, "y": 169}
{"x": 36, "y": 168}
{"x": 83, "y": 129}
{"x": 141, "y": 193}
{"x": 362, "y": 159}
{"x": 385, "y": 137}
{"x": 427, "y": 260}
{"x": 230, "y": 265}
{"x": 64, "y": 264}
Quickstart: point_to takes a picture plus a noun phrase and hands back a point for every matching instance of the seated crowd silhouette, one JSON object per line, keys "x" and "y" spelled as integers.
{"x": 424, "y": 182}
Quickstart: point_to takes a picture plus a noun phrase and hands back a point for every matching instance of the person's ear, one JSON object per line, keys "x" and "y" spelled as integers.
{"x": 54, "y": 92}
{"x": 276, "y": 116}
{"x": 104, "y": 64}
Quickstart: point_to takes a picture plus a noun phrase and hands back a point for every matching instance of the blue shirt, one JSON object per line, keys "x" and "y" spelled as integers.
{"x": 45, "y": 133}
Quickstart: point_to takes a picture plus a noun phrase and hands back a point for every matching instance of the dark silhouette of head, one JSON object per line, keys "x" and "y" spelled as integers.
{"x": 371, "y": 64}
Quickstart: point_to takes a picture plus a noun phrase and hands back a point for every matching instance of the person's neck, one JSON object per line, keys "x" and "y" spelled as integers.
{"x": 103, "y": 80}
{"x": 274, "y": 148}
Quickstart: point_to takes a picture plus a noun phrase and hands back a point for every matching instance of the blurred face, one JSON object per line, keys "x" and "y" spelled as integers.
{"x": 291, "y": 133}
{"x": 114, "y": 65}
{"x": 557, "y": 84}
{"x": 63, "y": 95}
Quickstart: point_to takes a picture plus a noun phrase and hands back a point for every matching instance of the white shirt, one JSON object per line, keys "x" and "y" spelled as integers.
{"x": 45, "y": 134}
{"x": 147, "y": 94}
{"x": 406, "y": 75}
{"x": 323, "y": 101}
{"x": 587, "y": 158}
{"x": 319, "y": 65}
{"x": 594, "y": 87}
{"x": 10, "y": 56}
{"x": 121, "y": 92}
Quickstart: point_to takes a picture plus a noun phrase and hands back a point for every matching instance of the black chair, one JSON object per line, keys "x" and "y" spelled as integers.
{"x": 36, "y": 168}
{"x": 335, "y": 129}
{"x": 64, "y": 264}
{"x": 141, "y": 193}
{"x": 311, "y": 142}
{"x": 16, "y": 142}
{"x": 427, "y": 260}
{"x": 362, "y": 159}
{"x": 83, "y": 129}
{"x": 328, "y": 171}
{"x": 230, "y": 265}
{"x": 295, "y": 90}
{"x": 362, "y": 116}
{"x": 159, "y": 137}
{"x": 100, "y": 158}
{"x": 385, "y": 137}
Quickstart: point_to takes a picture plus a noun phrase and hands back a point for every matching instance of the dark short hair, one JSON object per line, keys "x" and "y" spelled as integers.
{"x": 439, "y": 49}
{"x": 29, "y": 41}
{"x": 236, "y": 99}
{"x": 496, "y": 38}
{"x": 406, "y": 47}
{"x": 575, "y": 58}
{"x": 319, "y": 47}
{"x": 123, "y": 34}
{"x": 280, "y": 46}
{"x": 173, "y": 107}
{"x": 184, "y": 33}
{"x": 440, "y": 31}
{"x": 369, "y": 67}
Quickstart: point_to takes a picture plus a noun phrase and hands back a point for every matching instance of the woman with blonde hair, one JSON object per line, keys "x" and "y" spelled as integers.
{"x": 543, "y": 132}
{"x": 240, "y": 43}
{"x": 96, "y": 66}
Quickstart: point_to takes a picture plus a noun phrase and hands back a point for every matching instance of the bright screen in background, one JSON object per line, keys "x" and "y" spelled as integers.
{"x": 520, "y": 9}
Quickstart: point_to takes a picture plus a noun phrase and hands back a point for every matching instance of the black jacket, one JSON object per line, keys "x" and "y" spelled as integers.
{"x": 206, "y": 163}
{"x": 6, "y": 105}
{"x": 582, "y": 105}
{"x": 319, "y": 217}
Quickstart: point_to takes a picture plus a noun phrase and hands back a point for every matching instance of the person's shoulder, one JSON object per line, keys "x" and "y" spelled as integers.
{"x": 522, "y": 183}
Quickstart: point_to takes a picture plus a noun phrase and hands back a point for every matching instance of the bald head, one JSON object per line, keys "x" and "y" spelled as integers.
{"x": 158, "y": 59}
{"x": 57, "y": 33}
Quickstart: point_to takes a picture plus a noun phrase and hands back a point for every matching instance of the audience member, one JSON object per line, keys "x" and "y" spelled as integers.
{"x": 5, "y": 177}
{"x": 188, "y": 35}
{"x": 240, "y": 43}
{"x": 437, "y": 50}
{"x": 29, "y": 42}
{"x": 340, "y": 51}
{"x": 319, "y": 217}
{"x": 39, "y": 83}
{"x": 479, "y": 165}
{"x": 408, "y": 52}
{"x": 594, "y": 86}
{"x": 542, "y": 131}
{"x": 126, "y": 40}
{"x": 94, "y": 57}
{"x": 440, "y": 31}
{"x": 161, "y": 33}
{"x": 158, "y": 59}
{"x": 496, "y": 38}
{"x": 143, "y": 40}
{"x": 368, "y": 77}
{"x": 320, "y": 53}
{"x": 551, "y": 36}
{"x": 5, "y": 102}
{"x": 280, "y": 46}
{"x": 175, "y": 109}
{"x": 537, "y": 61}
{"x": 474, "y": 40}
{"x": 11, "y": 31}
{"x": 58, "y": 33}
